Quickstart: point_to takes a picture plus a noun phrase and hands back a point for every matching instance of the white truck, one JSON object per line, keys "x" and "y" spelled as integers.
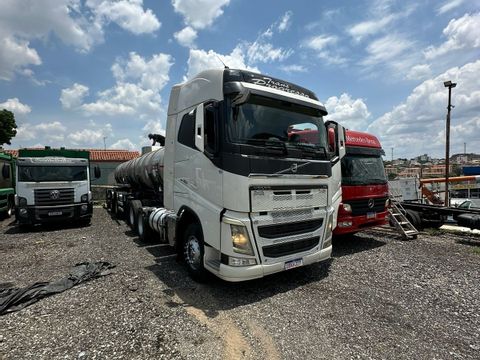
{"x": 53, "y": 185}
{"x": 229, "y": 188}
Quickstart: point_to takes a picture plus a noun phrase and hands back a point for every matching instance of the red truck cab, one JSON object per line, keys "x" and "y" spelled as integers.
{"x": 364, "y": 185}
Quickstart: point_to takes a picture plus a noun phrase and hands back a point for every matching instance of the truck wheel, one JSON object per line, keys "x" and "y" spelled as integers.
{"x": 194, "y": 252}
{"x": 414, "y": 218}
{"x": 134, "y": 208}
{"x": 145, "y": 233}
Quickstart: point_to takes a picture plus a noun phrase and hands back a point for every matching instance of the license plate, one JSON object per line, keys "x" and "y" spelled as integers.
{"x": 54, "y": 213}
{"x": 293, "y": 264}
{"x": 371, "y": 215}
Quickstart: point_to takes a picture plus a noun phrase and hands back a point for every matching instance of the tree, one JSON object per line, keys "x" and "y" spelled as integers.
{"x": 7, "y": 126}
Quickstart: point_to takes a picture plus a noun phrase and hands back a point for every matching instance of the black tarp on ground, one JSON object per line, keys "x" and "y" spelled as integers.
{"x": 15, "y": 299}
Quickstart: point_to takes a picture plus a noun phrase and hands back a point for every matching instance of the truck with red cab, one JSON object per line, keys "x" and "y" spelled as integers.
{"x": 365, "y": 197}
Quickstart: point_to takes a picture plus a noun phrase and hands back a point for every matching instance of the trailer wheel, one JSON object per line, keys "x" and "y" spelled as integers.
{"x": 134, "y": 208}
{"x": 414, "y": 218}
{"x": 194, "y": 252}
{"x": 145, "y": 233}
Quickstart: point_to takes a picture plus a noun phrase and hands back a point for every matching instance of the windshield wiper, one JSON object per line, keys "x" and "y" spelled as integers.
{"x": 274, "y": 147}
{"x": 310, "y": 148}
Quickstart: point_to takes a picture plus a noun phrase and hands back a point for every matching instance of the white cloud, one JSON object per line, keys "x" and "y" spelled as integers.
{"x": 200, "y": 60}
{"x": 128, "y": 14}
{"x": 15, "y": 106}
{"x": 199, "y": 14}
{"x": 186, "y": 37}
{"x": 15, "y": 56}
{"x": 72, "y": 97}
{"x": 138, "y": 83}
{"x": 351, "y": 113}
{"x": 449, "y": 5}
{"x": 124, "y": 144}
{"x": 324, "y": 46}
{"x": 293, "y": 68}
{"x": 261, "y": 51}
{"x": 90, "y": 137}
{"x": 363, "y": 29}
{"x": 385, "y": 49}
{"x": 462, "y": 33}
{"x": 417, "y": 125}
{"x": 49, "y": 132}
{"x": 419, "y": 72}
{"x": 154, "y": 127}
{"x": 285, "y": 21}
{"x": 74, "y": 24}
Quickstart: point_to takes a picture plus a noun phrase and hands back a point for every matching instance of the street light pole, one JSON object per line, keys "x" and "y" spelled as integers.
{"x": 450, "y": 85}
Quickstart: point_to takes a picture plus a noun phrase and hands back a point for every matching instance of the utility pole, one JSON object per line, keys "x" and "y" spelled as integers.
{"x": 449, "y": 85}
{"x": 392, "y": 155}
{"x": 104, "y": 143}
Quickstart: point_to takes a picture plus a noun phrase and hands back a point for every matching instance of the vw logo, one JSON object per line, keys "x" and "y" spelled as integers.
{"x": 294, "y": 168}
{"x": 371, "y": 203}
{"x": 54, "y": 194}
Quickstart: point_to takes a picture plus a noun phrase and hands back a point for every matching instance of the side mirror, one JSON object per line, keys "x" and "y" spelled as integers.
{"x": 97, "y": 172}
{"x": 199, "y": 129}
{"x": 336, "y": 138}
{"x": 6, "y": 171}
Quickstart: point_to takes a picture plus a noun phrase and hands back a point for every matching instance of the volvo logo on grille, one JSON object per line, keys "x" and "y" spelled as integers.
{"x": 294, "y": 167}
{"x": 371, "y": 203}
{"x": 54, "y": 194}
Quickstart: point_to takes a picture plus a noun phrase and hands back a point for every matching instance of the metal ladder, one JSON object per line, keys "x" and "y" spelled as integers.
{"x": 398, "y": 218}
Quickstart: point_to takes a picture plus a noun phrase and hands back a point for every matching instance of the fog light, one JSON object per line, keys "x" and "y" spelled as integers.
{"x": 84, "y": 208}
{"x": 347, "y": 208}
{"x": 23, "y": 212}
{"x": 344, "y": 224}
{"x": 234, "y": 261}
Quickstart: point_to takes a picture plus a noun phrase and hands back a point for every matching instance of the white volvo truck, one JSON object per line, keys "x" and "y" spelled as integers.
{"x": 229, "y": 188}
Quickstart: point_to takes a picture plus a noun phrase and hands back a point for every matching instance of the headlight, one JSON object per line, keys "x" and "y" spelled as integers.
{"x": 22, "y": 201}
{"x": 84, "y": 198}
{"x": 387, "y": 203}
{"x": 347, "y": 208}
{"x": 240, "y": 240}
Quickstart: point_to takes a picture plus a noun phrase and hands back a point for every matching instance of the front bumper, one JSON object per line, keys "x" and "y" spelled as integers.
{"x": 353, "y": 224}
{"x": 235, "y": 274}
{"x": 44, "y": 214}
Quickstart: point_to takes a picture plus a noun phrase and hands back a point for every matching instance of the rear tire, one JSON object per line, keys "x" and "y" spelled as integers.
{"x": 194, "y": 252}
{"x": 145, "y": 233}
{"x": 134, "y": 208}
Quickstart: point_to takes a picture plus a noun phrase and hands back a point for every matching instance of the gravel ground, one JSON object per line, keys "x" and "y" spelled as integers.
{"x": 378, "y": 298}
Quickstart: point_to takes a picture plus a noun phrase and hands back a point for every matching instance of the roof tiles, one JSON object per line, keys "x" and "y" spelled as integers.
{"x": 100, "y": 155}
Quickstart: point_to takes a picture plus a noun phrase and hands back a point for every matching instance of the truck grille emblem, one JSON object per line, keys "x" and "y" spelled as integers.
{"x": 54, "y": 194}
{"x": 294, "y": 168}
{"x": 371, "y": 203}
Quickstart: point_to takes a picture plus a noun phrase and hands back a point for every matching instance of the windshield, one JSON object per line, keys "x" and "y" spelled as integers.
{"x": 52, "y": 173}
{"x": 268, "y": 122}
{"x": 363, "y": 170}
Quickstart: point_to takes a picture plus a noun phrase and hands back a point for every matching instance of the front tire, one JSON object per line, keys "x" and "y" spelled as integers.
{"x": 194, "y": 252}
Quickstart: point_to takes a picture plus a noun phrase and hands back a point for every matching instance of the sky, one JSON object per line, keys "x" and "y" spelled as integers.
{"x": 95, "y": 73}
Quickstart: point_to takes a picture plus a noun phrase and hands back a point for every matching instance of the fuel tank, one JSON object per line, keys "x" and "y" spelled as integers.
{"x": 145, "y": 171}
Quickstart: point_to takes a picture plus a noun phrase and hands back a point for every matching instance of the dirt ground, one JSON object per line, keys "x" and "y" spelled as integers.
{"x": 379, "y": 298}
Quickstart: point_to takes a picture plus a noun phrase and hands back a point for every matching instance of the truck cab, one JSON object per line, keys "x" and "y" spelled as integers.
{"x": 53, "y": 185}
{"x": 365, "y": 196}
{"x": 249, "y": 200}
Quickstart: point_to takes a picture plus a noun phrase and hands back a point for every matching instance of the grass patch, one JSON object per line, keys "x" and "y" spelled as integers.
{"x": 476, "y": 250}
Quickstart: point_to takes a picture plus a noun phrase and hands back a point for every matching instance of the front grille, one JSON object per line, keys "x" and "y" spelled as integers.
{"x": 281, "y": 230}
{"x": 292, "y": 247}
{"x": 54, "y": 196}
{"x": 361, "y": 207}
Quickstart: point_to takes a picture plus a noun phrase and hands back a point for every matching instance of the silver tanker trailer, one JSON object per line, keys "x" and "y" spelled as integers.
{"x": 228, "y": 188}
